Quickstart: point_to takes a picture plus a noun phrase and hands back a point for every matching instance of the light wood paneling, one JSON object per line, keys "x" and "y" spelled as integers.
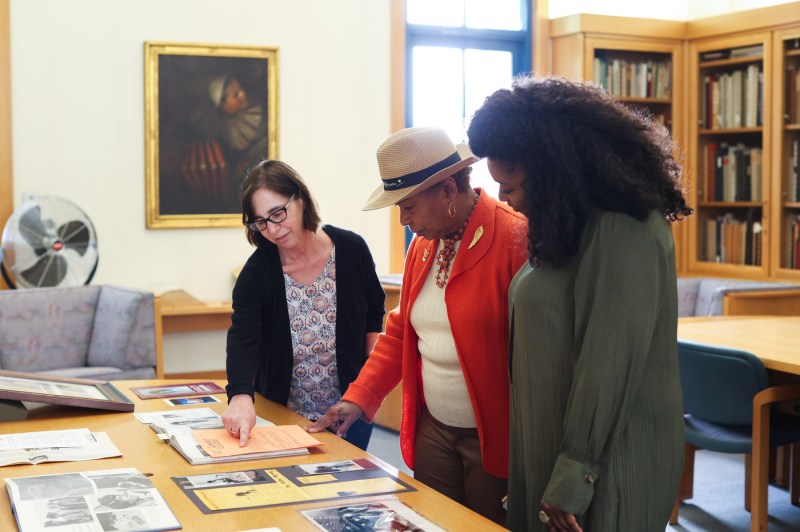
{"x": 397, "y": 234}
{"x": 752, "y": 19}
{"x": 604, "y": 24}
{"x": 389, "y": 413}
{"x": 758, "y": 303}
{"x": 6, "y": 176}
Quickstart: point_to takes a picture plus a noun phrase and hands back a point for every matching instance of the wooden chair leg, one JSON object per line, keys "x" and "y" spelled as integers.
{"x": 760, "y": 458}
{"x": 781, "y": 459}
{"x": 673, "y": 518}
{"x": 686, "y": 486}
{"x": 794, "y": 476}
{"x": 748, "y": 466}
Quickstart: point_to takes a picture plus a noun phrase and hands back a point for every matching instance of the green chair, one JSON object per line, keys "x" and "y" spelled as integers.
{"x": 728, "y": 407}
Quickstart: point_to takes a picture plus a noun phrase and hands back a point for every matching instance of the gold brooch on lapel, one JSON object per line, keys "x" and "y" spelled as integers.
{"x": 425, "y": 255}
{"x": 478, "y": 235}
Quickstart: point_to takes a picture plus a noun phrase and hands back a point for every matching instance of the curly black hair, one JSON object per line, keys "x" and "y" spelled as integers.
{"x": 581, "y": 152}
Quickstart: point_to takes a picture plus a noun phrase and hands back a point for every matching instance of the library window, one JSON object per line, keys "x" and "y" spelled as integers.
{"x": 457, "y": 53}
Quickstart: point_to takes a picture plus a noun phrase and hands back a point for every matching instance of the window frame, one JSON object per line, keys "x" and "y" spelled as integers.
{"x": 536, "y": 48}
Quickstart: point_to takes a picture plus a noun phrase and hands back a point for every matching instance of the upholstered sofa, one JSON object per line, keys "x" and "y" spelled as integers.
{"x": 99, "y": 332}
{"x": 706, "y": 296}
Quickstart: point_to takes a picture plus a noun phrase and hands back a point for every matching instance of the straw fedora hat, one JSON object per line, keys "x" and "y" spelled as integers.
{"x": 413, "y": 160}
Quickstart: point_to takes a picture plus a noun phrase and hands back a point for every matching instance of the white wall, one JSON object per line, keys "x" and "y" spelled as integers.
{"x": 78, "y": 118}
{"x": 78, "y": 126}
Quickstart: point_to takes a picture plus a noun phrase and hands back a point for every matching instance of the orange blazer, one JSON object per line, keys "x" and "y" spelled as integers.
{"x": 492, "y": 249}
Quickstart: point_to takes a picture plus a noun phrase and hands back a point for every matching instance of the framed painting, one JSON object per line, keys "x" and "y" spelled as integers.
{"x": 211, "y": 112}
{"x": 86, "y": 393}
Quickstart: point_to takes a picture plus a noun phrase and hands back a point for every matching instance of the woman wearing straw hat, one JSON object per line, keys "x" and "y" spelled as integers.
{"x": 448, "y": 338}
{"x": 307, "y": 305}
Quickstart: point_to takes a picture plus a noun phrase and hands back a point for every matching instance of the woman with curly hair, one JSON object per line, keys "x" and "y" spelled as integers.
{"x": 596, "y": 414}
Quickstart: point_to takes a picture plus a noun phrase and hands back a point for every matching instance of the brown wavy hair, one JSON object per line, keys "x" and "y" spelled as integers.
{"x": 282, "y": 179}
{"x": 582, "y": 152}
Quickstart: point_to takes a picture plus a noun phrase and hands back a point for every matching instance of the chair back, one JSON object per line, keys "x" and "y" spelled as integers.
{"x": 719, "y": 383}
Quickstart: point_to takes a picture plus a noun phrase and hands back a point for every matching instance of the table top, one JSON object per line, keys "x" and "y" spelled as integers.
{"x": 773, "y": 339}
{"x": 142, "y": 450}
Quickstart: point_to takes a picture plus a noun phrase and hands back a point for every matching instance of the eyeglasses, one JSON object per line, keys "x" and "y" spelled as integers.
{"x": 276, "y": 217}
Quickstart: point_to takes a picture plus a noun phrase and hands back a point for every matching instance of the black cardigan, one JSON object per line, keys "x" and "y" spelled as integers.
{"x": 259, "y": 350}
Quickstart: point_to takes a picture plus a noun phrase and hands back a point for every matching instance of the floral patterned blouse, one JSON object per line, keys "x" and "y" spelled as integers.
{"x": 312, "y": 321}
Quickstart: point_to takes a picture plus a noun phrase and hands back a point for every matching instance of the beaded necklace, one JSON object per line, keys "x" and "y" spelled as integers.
{"x": 446, "y": 254}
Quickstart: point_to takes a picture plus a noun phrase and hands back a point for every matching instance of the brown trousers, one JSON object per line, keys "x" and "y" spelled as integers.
{"x": 448, "y": 459}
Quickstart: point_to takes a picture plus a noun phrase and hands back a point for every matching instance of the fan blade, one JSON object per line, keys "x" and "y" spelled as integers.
{"x": 75, "y": 235}
{"x": 33, "y": 230}
{"x": 48, "y": 271}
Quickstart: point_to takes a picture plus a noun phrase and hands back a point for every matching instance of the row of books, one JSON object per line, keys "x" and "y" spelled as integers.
{"x": 733, "y": 172}
{"x": 754, "y": 50}
{"x": 793, "y": 94}
{"x": 634, "y": 79}
{"x": 734, "y": 241}
{"x": 733, "y": 99}
{"x": 794, "y": 171}
{"x": 793, "y": 248}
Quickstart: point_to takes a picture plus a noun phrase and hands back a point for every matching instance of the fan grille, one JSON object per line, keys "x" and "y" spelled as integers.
{"x": 48, "y": 241}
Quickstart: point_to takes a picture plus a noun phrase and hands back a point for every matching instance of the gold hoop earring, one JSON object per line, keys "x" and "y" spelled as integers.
{"x": 451, "y": 210}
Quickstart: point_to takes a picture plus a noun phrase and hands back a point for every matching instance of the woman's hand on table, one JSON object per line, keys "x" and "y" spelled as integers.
{"x": 556, "y": 519}
{"x": 338, "y": 418}
{"x": 240, "y": 417}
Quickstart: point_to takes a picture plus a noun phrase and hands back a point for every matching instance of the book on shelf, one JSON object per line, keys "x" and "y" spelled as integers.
{"x": 733, "y": 172}
{"x": 732, "y": 99}
{"x": 747, "y": 51}
{"x": 792, "y": 94}
{"x": 715, "y": 55}
{"x": 731, "y": 240}
{"x": 71, "y": 445}
{"x": 633, "y": 79}
{"x": 112, "y": 499}
{"x": 794, "y": 171}
{"x": 793, "y": 244}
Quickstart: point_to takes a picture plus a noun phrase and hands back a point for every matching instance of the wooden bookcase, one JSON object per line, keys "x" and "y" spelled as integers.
{"x": 785, "y": 199}
{"x": 729, "y": 133}
{"x": 745, "y": 49}
{"x": 602, "y": 49}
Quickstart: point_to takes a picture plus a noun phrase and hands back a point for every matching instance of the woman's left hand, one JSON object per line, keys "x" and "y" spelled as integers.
{"x": 339, "y": 417}
{"x": 559, "y": 519}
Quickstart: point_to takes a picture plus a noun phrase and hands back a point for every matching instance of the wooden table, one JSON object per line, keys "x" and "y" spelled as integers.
{"x": 181, "y": 312}
{"x": 773, "y": 339}
{"x": 142, "y": 450}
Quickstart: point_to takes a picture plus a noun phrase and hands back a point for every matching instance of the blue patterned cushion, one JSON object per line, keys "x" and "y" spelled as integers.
{"x": 46, "y": 328}
{"x": 687, "y": 295}
{"x": 141, "y": 351}
{"x": 116, "y": 311}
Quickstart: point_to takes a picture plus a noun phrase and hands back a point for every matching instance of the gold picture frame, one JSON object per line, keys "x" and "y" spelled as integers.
{"x": 211, "y": 112}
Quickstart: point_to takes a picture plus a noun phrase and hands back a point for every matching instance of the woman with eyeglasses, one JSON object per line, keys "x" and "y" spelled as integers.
{"x": 307, "y": 305}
